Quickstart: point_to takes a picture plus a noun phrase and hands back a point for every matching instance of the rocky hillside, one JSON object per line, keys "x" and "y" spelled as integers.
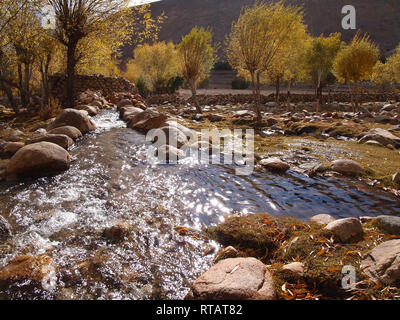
{"x": 381, "y": 19}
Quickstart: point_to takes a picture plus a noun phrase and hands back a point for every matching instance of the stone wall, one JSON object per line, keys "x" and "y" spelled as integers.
{"x": 106, "y": 85}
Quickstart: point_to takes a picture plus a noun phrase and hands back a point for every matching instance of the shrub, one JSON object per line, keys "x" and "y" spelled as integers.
{"x": 142, "y": 87}
{"x": 240, "y": 83}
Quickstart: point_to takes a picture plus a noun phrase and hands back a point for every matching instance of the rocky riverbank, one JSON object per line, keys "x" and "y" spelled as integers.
{"x": 267, "y": 257}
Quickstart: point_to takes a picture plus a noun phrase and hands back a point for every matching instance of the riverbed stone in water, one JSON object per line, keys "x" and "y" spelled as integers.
{"x": 128, "y": 112}
{"x": 346, "y": 229}
{"x": 346, "y": 167}
{"x": 5, "y": 229}
{"x": 69, "y": 131}
{"x": 390, "y": 224}
{"x": 382, "y": 264}
{"x": 171, "y": 136}
{"x": 59, "y": 139}
{"x": 274, "y": 164}
{"x": 147, "y": 120}
{"x": 38, "y": 159}
{"x": 117, "y": 232}
{"x": 234, "y": 279}
{"x": 24, "y": 267}
{"x": 169, "y": 154}
{"x": 75, "y": 118}
{"x": 322, "y": 218}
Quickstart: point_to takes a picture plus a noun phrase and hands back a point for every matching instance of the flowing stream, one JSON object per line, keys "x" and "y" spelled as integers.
{"x": 110, "y": 181}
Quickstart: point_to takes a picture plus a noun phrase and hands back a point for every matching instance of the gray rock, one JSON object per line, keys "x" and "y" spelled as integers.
{"x": 235, "y": 279}
{"x": 345, "y": 229}
{"x": 322, "y": 218}
{"x": 390, "y": 224}
{"x": 382, "y": 136}
{"x": 388, "y": 107}
{"x": 382, "y": 264}
{"x": 346, "y": 167}
{"x": 5, "y": 229}
{"x": 274, "y": 164}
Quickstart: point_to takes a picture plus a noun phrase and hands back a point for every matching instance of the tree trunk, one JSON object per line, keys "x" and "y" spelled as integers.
{"x": 21, "y": 87}
{"x": 356, "y": 93}
{"x": 258, "y": 99}
{"x": 277, "y": 90}
{"x": 7, "y": 89}
{"x": 288, "y": 92}
{"x": 27, "y": 78}
{"x": 71, "y": 64}
{"x": 194, "y": 97}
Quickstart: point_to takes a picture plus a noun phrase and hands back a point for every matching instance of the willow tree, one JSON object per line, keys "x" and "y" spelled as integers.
{"x": 257, "y": 38}
{"x": 389, "y": 72}
{"x": 23, "y": 34}
{"x": 197, "y": 56}
{"x": 319, "y": 61}
{"x": 157, "y": 64}
{"x": 9, "y": 11}
{"x": 355, "y": 63}
{"x": 288, "y": 65}
{"x": 110, "y": 22}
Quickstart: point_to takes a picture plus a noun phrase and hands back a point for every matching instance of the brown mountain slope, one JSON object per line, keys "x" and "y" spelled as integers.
{"x": 380, "y": 18}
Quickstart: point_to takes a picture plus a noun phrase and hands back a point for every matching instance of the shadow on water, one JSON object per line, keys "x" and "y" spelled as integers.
{"x": 110, "y": 181}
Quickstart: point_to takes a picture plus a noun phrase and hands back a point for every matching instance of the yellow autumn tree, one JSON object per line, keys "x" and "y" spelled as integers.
{"x": 196, "y": 57}
{"x": 288, "y": 65}
{"x": 257, "y": 38}
{"x": 388, "y": 72}
{"x": 156, "y": 64}
{"x": 83, "y": 25}
{"x": 319, "y": 60}
{"x": 355, "y": 63}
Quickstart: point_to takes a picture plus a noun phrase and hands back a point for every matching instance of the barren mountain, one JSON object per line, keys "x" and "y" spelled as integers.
{"x": 380, "y": 18}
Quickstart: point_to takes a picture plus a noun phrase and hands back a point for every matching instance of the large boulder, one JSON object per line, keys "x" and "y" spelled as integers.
{"x": 38, "y": 159}
{"x": 234, "y": 279}
{"x": 382, "y": 136}
{"x": 274, "y": 164}
{"x": 10, "y": 148}
{"x": 345, "y": 229}
{"x": 382, "y": 264}
{"x": 59, "y": 139}
{"x": 69, "y": 131}
{"x": 128, "y": 112}
{"x": 171, "y": 136}
{"x": 5, "y": 229}
{"x": 147, "y": 120}
{"x": 390, "y": 224}
{"x": 346, "y": 167}
{"x": 75, "y": 118}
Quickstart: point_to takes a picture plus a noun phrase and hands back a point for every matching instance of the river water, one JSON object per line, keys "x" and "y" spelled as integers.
{"x": 110, "y": 181}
